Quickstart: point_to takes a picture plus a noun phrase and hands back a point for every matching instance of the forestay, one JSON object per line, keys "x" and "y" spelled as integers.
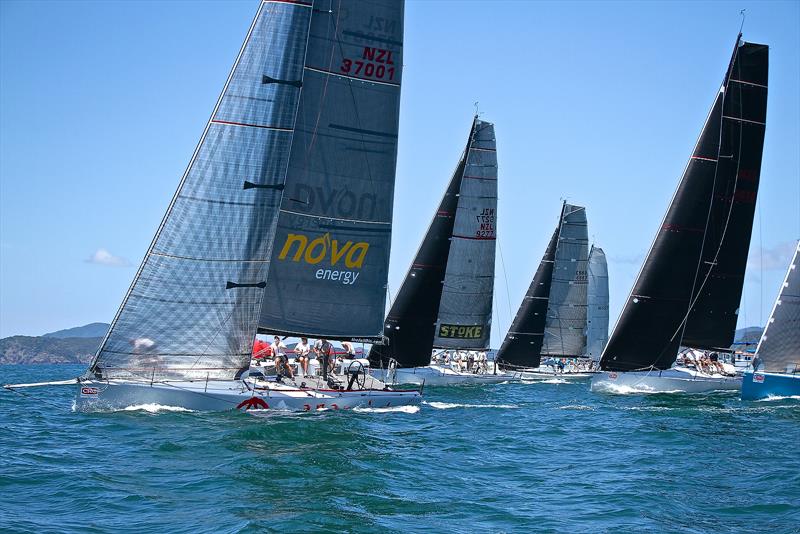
{"x": 465, "y": 309}
{"x": 597, "y": 304}
{"x": 690, "y": 284}
{"x": 779, "y": 347}
{"x": 331, "y": 255}
{"x": 565, "y": 326}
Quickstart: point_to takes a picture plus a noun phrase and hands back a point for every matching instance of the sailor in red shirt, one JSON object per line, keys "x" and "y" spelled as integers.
{"x": 261, "y": 351}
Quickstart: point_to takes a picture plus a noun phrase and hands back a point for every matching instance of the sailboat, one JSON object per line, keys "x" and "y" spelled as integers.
{"x": 776, "y": 369}
{"x": 445, "y": 301}
{"x": 280, "y": 224}
{"x": 688, "y": 290}
{"x": 553, "y": 321}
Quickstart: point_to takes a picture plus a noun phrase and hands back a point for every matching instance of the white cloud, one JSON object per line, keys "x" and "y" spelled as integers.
{"x": 104, "y": 257}
{"x": 775, "y": 257}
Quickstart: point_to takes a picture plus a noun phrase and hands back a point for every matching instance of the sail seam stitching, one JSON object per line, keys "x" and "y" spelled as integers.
{"x": 323, "y": 71}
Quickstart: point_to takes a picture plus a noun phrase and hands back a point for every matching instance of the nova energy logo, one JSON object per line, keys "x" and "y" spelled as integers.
{"x": 298, "y": 248}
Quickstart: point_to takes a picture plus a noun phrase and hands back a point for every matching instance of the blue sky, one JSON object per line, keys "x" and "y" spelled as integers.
{"x": 102, "y": 103}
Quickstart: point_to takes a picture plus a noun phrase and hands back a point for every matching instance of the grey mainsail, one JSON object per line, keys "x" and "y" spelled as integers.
{"x": 565, "y": 326}
{"x": 331, "y": 256}
{"x": 465, "y": 308}
{"x": 597, "y": 304}
{"x": 779, "y": 346}
{"x": 194, "y": 304}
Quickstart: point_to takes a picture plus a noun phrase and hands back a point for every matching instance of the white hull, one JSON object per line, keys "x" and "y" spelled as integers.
{"x": 233, "y": 394}
{"x": 549, "y": 375}
{"x": 437, "y": 375}
{"x": 676, "y": 380}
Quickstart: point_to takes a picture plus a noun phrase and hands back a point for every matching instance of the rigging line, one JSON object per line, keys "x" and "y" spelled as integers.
{"x": 38, "y": 398}
{"x": 761, "y": 274}
{"x": 324, "y": 94}
{"x": 505, "y": 276}
{"x": 498, "y": 323}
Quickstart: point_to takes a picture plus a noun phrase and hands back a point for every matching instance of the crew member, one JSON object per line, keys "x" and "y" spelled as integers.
{"x": 280, "y": 359}
{"x": 301, "y": 350}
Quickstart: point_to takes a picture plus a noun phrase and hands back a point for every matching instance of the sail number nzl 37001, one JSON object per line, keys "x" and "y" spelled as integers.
{"x": 375, "y": 63}
{"x": 299, "y": 248}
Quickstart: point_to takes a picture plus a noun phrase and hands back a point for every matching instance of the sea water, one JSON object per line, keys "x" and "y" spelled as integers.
{"x": 532, "y": 457}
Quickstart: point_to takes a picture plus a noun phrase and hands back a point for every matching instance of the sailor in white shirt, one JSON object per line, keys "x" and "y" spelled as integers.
{"x": 279, "y": 355}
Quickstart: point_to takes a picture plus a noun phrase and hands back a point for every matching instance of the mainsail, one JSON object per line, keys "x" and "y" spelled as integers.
{"x": 330, "y": 261}
{"x": 193, "y": 307}
{"x": 465, "y": 308}
{"x": 689, "y": 288}
{"x": 565, "y": 326}
{"x": 461, "y": 232}
{"x": 597, "y": 304}
{"x": 522, "y": 345}
{"x": 779, "y": 346}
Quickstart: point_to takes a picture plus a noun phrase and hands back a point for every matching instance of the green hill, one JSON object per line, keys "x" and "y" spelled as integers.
{"x": 87, "y": 330}
{"x": 27, "y": 349}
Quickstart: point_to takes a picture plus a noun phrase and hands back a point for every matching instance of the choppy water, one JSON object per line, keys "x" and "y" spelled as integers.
{"x": 503, "y": 458}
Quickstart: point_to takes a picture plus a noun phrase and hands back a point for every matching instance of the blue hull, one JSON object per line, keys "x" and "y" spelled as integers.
{"x": 762, "y": 385}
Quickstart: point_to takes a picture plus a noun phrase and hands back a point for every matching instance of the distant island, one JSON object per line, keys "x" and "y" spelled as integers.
{"x": 73, "y": 345}
{"x": 78, "y": 345}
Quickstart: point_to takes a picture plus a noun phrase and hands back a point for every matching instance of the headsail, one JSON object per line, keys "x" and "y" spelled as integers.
{"x": 523, "y": 343}
{"x": 331, "y": 256}
{"x": 465, "y": 308}
{"x": 411, "y": 323}
{"x": 597, "y": 304}
{"x": 779, "y": 347}
{"x": 193, "y": 305}
{"x": 565, "y": 326}
{"x": 689, "y": 287}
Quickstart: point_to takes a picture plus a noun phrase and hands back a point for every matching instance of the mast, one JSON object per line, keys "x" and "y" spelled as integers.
{"x": 779, "y": 346}
{"x": 689, "y": 287}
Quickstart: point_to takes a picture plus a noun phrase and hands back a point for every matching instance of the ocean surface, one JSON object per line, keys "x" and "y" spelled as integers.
{"x": 547, "y": 457}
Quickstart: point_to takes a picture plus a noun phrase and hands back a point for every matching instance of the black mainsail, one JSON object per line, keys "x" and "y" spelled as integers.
{"x": 264, "y": 206}
{"x": 446, "y": 296}
{"x": 779, "y": 346}
{"x": 689, "y": 288}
